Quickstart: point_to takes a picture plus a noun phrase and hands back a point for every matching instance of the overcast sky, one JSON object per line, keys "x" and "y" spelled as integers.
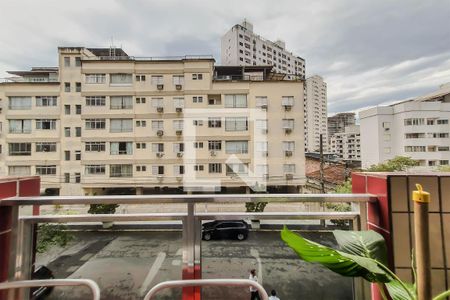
{"x": 369, "y": 52}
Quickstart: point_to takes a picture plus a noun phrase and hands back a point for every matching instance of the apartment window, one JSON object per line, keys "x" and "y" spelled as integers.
{"x": 94, "y": 146}
{"x": 235, "y": 169}
{"x": 214, "y": 100}
{"x": 78, "y": 131}
{"x": 77, "y": 177}
{"x": 95, "y": 101}
{"x": 443, "y": 162}
{"x": 442, "y": 122}
{"x": 178, "y": 79}
{"x": 214, "y": 122}
{"x": 95, "y": 78}
{"x": 46, "y": 124}
{"x": 178, "y": 170}
{"x": 197, "y": 99}
{"x": 157, "y": 102}
{"x": 44, "y": 101}
{"x": 95, "y": 170}
{"x": 178, "y": 124}
{"x": 66, "y": 155}
{"x": 261, "y": 101}
{"x": 197, "y": 122}
{"x": 198, "y": 145}
{"x": 197, "y": 76}
{"x": 386, "y": 137}
{"x": 141, "y": 145}
{"x": 157, "y": 79}
{"x": 45, "y": 147}
{"x": 215, "y": 168}
{"x": 178, "y": 102}
{"x": 157, "y": 124}
{"x": 158, "y": 170}
{"x": 215, "y": 145}
{"x": 236, "y": 124}
{"x": 261, "y": 124}
{"x": 261, "y": 146}
{"x": 67, "y": 87}
{"x": 66, "y": 61}
{"x": 141, "y": 168}
{"x": 67, "y": 109}
{"x": 121, "y": 79}
{"x": 19, "y": 126}
{"x": 77, "y": 155}
{"x": 141, "y": 123}
{"x": 414, "y": 135}
{"x": 121, "y": 148}
{"x": 287, "y": 101}
{"x": 415, "y": 148}
{"x": 198, "y": 168}
{"x": 288, "y": 123}
{"x": 289, "y": 168}
{"x": 414, "y": 121}
{"x": 121, "y": 102}
{"x": 178, "y": 147}
{"x": 78, "y": 87}
{"x": 236, "y": 101}
{"x": 121, "y": 170}
{"x": 261, "y": 170}
{"x": 157, "y": 147}
{"x": 236, "y": 147}
{"x": 121, "y": 125}
{"x": 387, "y": 150}
{"x": 140, "y": 78}
{"x": 77, "y": 61}
{"x": 95, "y": 123}
{"x": 140, "y": 100}
{"x": 443, "y": 148}
{"x": 19, "y": 103}
{"x": 78, "y": 109}
{"x": 46, "y": 170}
{"x": 288, "y": 146}
{"x": 19, "y": 149}
{"x": 66, "y": 131}
{"x": 19, "y": 170}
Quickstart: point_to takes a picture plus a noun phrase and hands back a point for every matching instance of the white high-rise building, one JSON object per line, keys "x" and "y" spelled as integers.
{"x": 346, "y": 145}
{"x": 418, "y": 128}
{"x": 240, "y": 46}
{"x": 316, "y": 114}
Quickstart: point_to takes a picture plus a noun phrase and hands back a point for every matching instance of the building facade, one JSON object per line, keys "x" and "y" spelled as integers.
{"x": 418, "y": 128}
{"x": 240, "y": 46}
{"x": 316, "y": 114}
{"x": 347, "y": 145}
{"x": 105, "y": 122}
{"x": 338, "y": 122}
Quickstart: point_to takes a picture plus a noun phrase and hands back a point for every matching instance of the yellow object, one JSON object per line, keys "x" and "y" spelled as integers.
{"x": 420, "y": 195}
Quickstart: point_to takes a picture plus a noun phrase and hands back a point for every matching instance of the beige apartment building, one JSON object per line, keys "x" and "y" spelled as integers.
{"x": 103, "y": 122}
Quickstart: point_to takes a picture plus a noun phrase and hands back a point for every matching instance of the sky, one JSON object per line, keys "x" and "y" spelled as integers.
{"x": 369, "y": 52}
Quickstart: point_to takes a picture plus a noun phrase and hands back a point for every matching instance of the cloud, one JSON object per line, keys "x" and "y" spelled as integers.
{"x": 368, "y": 52}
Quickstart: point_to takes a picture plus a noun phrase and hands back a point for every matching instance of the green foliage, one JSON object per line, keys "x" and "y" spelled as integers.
{"x": 398, "y": 163}
{"x": 339, "y": 207}
{"x": 362, "y": 254}
{"x": 444, "y": 169}
{"x": 102, "y": 208}
{"x": 52, "y": 234}
{"x": 345, "y": 188}
{"x": 255, "y": 206}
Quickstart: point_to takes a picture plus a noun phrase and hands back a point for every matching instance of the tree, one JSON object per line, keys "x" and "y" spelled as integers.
{"x": 398, "y": 163}
{"x": 361, "y": 254}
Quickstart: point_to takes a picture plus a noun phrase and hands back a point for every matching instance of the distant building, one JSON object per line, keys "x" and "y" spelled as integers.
{"x": 418, "y": 128}
{"x": 338, "y": 122}
{"x": 315, "y": 114}
{"x": 347, "y": 145}
{"x": 240, "y": 46}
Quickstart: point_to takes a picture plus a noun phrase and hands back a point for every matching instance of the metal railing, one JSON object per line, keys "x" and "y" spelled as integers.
{"x": 152, "y": 58}
{"x": 95, "y": 290}
{"x": 207, "y": 282}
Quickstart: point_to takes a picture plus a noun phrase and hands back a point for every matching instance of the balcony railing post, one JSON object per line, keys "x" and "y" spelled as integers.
{"x": 24, "y": 258}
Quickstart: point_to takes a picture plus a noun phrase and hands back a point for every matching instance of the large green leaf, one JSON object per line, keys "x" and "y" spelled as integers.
{"x": 397, "y": 290}
{"x": 368, "y": 244}
{"x": 337, "y": 261}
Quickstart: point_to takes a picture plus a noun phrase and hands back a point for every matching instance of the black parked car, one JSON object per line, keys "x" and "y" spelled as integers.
{"x": 225, "y": 230}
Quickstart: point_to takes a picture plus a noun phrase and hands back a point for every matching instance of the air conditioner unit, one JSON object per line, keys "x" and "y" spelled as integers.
{"x": 289, "y": 176}
{"x": 159, "y": 154}
{"x": 160, "y": 109}
{"x": 264, "y": 106}
{"x": 160, "y": 86}
{"x": 288, "y": 153}
{"x": 265, "y": 153}
{"x": 179, "y": 132}
{"x": 265, "y": 131}
{"x": 179, "y": 109}
{"x": 160, "y": 133}
{"x": 213, "y": 153}
{"x": 178, "y": 86}
{"x": 180, "y": 154}
{"x": 288, "y": 130}
{"x": 287, "y": 107}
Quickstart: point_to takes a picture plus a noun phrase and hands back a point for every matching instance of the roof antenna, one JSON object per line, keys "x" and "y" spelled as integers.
{"x": 112, "y": 48}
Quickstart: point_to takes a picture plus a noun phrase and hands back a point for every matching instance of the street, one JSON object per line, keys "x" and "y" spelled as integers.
{"x": 127, "y": 264}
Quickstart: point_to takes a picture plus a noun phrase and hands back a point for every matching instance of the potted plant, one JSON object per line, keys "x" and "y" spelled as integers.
{"x": 103, "y": 209}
